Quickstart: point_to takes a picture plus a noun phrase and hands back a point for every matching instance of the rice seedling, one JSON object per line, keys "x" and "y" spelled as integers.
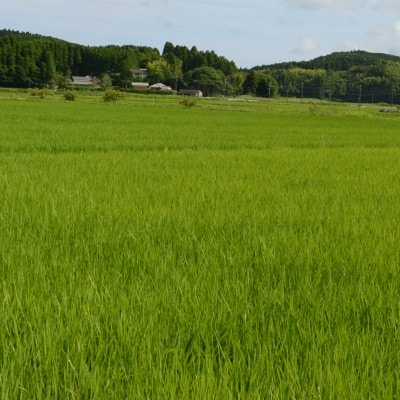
{"x": 154, "y": 251}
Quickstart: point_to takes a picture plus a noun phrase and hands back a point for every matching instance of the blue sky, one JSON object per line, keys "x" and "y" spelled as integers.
{"x": 251, "y": 32}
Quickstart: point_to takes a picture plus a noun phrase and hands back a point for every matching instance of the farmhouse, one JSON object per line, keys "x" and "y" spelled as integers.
{"x": 140, "y": 85}
{"x": 191, "y": 92}
{"x": 140, "y": 72}
{"x": 85, "y": 80}
{"x": 161, "y": 87}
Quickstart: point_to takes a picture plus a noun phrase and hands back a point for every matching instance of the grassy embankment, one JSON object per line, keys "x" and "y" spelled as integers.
{"x": 220, "y": 252}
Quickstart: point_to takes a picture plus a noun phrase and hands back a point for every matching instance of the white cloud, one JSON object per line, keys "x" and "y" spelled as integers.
{"x": 380, "y": 39}
{"x": 360, "y": 5}
{"x": 386, "y": 38}
{"x": 312, "y": 4}
{"x": 396, "y": 28}
{"x": 306, "y": 46}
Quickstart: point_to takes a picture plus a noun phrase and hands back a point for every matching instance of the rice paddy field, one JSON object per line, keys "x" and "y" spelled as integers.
{"x": 232, "y": 250}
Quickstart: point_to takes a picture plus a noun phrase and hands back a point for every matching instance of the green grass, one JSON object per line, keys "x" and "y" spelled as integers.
{"x": 149, "y": 251}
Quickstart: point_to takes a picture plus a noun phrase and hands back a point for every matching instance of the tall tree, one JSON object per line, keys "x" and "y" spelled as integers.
{"x": 209, "y": 80}
{"x": 47, "y": 67}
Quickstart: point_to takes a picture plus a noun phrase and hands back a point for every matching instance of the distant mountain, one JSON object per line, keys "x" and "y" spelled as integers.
{"x": 357, "y": 76}
{"x": 338, "y": 61}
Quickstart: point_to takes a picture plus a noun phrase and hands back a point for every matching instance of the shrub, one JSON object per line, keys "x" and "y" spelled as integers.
{"x": 112, "y": 96}
{"x": 41, "y": 93}
{"x": 188, "y": 101}
{"x": 70, "y": 96}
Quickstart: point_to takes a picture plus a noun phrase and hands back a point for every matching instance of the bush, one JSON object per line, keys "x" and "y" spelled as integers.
{"x": 188, "y": 101}
{"x": 70, "y": 96}
{"x": 112, "y": 96}
{"x": 41, "y": 93}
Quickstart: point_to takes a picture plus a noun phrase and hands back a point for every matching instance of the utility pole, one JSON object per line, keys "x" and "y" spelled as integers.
{"x": 302, "y": 92}
{"x": 392, "y": 98}
{"x": 269, "y": 96}
{"x": 359, "y": 98}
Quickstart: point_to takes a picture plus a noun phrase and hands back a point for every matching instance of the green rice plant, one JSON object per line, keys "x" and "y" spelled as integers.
{"x": 41, "y": 93}
{"x": 147, "y": 252}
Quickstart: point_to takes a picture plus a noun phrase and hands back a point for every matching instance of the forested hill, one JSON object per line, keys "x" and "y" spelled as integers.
{"x": 353, "y": 76}
{"x": 31, "y": 60}
{"x": 28, "y": 60}
{"x": 338, "y": 61}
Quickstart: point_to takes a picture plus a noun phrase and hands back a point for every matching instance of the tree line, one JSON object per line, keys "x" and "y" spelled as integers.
{"x": 30, "y": 60}
{"x": 356, "y": 76}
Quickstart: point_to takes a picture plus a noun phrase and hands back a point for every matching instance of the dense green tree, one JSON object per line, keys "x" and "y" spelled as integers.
{"x": 260, "y": 83}
{"x": 47, "y": 67}
{"x": 183, "y": 53}
{"x": 208, "y": 79}
{"x": 159, "y": 71}
{"x": 106, "y": 81}
{"x": 174, "y": 65}
{"x": 168, "y": 49}
{"x": 125, "y": 75}
{"x": 392, "y": 74}
{"x": 235, "y": 82}
{"x": 197, "y": 59}
{"x": 60, "y": 81}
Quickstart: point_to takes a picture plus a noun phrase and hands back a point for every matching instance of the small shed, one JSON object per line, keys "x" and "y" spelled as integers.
{"x": 85, "y": 80}
{"x": 140, "y": 85}
{"x": 140, "y": 72}
{"x": 81, "y": 80}
{"x": 191, "y": 92}
{"x": 161, "y": 87}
